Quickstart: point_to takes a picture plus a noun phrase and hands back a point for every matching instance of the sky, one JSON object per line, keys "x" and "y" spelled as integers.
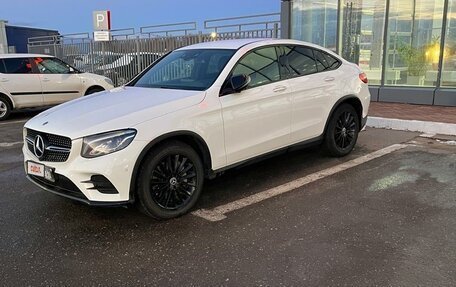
{"x": 75, "y": 16}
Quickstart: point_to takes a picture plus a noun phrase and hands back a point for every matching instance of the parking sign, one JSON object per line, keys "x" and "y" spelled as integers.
{"x": 101, "y": 20}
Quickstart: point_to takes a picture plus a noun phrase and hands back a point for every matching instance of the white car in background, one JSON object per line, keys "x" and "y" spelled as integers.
{"x": 32, "y": 80}
{"x": 192, "y": 114}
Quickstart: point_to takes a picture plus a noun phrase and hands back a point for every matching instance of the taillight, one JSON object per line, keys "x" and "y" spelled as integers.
{"x": 363, "y": 77}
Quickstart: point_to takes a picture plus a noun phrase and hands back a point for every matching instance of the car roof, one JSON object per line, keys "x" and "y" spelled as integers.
{"x": 256, "y": 42}
{"x": 224, "y": 44}
{"x": 22, "y": 55}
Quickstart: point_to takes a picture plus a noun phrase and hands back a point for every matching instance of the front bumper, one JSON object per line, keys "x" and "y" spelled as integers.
{"x": 363, "y": 122}
{"x": 72, "y": 192}
{"x": 74, "y": 177}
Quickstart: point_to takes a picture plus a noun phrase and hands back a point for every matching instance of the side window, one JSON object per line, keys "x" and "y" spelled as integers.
{"x": 300, "y": 61}
{"x": 325, "y": 62}
{"x": 261, "y": 65}
{"x": 51, "y": 66}
{"x": 2, "y": 67}
{"x": 17, "y": 66}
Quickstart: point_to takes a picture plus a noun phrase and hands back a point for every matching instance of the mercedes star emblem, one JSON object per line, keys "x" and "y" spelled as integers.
{"x": 38, "y": 147}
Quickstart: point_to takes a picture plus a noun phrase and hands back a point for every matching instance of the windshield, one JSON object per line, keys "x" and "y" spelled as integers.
{"x": 193, "y": 69}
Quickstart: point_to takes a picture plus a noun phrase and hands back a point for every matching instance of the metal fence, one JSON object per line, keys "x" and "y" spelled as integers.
{"x": 128, "y": 53}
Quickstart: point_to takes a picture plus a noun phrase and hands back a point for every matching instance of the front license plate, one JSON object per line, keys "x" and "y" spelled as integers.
{"x": 40, "y": 170}
{"x": 35, "y": 169}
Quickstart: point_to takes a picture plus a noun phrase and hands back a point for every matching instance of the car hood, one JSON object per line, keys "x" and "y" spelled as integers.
{"x": 116, "y": 109}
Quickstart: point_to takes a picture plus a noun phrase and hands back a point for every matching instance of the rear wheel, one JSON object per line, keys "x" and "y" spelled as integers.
{"x": 170, "y": 181}
{"x": 5, "y": 108}
{"x": 342, "y": 132}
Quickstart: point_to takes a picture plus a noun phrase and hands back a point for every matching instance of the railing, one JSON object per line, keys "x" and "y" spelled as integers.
{"x": 128, "y": 53}
{"x": 168, "y": 29}
{"x": 269, "y": 21}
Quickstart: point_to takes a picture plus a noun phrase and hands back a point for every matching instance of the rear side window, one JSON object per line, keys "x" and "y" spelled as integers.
{"x": 325, "y": 62}
{"x": 17, "y": 66}
{"x": 261, "y": 65}
{"x": 300, "y": 61}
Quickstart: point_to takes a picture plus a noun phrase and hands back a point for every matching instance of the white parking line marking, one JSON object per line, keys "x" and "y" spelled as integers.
{"x": 218, "y": 213}
{"x": 13, "y": 122}
{"x": 10, "y": 144}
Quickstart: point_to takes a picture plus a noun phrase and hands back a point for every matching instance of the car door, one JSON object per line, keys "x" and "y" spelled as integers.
{"x": 59, "y": 83}
{"x": 257, "y": 120}
{"x": 312, "y": 83}
{"x": 21, "y": 81}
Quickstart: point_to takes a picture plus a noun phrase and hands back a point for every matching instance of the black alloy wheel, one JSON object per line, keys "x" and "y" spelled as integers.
{"x": 345, "y": 130}
{"x": 173, "y": 182}
{"x": 170, "y": 180}
{"x": 342, "y": 131}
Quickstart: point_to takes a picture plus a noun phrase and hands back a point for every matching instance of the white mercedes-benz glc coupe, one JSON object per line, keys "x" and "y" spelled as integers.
{"x": 193, "y": 113}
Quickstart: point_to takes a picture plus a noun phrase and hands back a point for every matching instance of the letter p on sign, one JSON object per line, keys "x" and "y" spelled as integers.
{"x": 101, "y": 20}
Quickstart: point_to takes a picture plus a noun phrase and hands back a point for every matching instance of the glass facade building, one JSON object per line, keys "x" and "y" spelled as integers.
{"x": 406, "y": 47}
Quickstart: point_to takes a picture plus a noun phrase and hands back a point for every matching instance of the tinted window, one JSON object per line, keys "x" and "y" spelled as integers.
{"x": 300, "y": 61}
{"x": 2, "y": 67}
{"x": 51, "y": 66}
{"x": 17, "y": 66}
{"x": 325, "y": 62}
{"x": 192, "y": 69}
{"x": 261, "y": 65}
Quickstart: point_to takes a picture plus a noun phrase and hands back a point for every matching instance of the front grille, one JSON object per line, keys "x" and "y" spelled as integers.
{"x": 57, "y": 147}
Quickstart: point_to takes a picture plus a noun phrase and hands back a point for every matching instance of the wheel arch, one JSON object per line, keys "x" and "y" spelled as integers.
{"x": 93, "y": 87}
{"x": 191, "y": 138}
{"x": 9, "y": 99}
{"x": 352, "y": 100}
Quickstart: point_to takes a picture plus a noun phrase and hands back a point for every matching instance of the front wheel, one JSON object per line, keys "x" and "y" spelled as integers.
{"x": 170, "y": 181}
{"x": 342, "y": 131}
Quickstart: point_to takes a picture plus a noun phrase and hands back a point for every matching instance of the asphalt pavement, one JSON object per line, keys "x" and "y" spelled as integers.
{"x": 390, "y": 221}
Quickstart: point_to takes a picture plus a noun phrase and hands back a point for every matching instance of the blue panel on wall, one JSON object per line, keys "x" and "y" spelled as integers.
{"x": 18, "y": 36}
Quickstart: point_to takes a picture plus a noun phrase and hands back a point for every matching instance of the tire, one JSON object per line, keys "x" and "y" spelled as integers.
{"x": 342, "y": 131}
{"x": 93, "y": 90}
{"x": 178, "y": 174}
{"x": 5, "y": 108}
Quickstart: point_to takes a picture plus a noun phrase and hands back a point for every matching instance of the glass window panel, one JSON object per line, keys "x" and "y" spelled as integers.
{"x": 325, "y": 62}
{"x": 261, "y": 65}
{"x": 362, "y": 33}
{"x": 414, "y": 31}
{"x": 51, "y": 66}
{"x": 315, "y": 22}
{"x": 2, "y": 67}
{"x": 300, "y": 61}
{"x": 17, "y": 65}
{"x": 448, "y": 77}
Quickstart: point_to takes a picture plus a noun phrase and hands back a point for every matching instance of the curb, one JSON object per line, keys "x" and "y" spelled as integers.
{"x": 412, "y": 125}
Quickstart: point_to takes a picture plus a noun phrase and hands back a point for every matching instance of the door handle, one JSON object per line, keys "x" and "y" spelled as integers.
{"x": 279, "y": 89}
{"x": 4, "y": 80}
{"x": 329, "y": 79}
{"x": 46, "y": 80}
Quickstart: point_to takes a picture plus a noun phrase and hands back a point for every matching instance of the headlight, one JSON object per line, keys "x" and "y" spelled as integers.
{"x": 108, "y": 80}
{"x": 106, "y": 143}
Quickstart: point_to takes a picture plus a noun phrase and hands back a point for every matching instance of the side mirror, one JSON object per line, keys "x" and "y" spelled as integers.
{"x": 240, "y": 82}
{"x": 71, "y": 70}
